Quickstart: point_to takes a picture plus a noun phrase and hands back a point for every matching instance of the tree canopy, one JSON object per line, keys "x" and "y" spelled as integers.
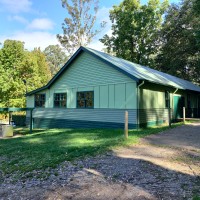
{"x": 134, "y": 30}
{"x": 55, "y": 57}
{"x": 180, "y": 50}
{"x": 78, "y": 27}
{"x": 17, "y": 66}
{"x": 163, "y": 37}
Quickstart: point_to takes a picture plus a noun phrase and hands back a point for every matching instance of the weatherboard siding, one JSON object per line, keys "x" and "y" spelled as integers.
{"x": 83, "y": 118}
{"x": 30, "y": 101}
{"x": 112, "y": 89}
{"x": 87, "y": 73}
{"x": 87, "y": 70}
{"x": 152, "y": 96}
{"x": 153, "y": 116}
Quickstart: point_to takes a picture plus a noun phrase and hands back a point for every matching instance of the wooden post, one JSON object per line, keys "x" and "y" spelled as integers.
{"x": 126, "y": 125}
{"x": 183, "y": 114}
{"x": 169, "y": 116}
{"x": 9, "y": 118}
{"x": 31, "y": 121}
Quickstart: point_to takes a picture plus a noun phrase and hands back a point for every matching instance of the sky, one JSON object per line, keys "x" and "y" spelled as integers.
{"x": 37, "y": 22}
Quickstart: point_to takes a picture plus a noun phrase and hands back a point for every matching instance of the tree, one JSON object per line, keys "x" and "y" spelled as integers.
{"x": 78, "y": 27}
{"x": 134, "y": 30}
{"x": 43, "y": 68}
{"x": 10, "y": 85}
{"x": 180, "y": 52}
{"x": 17, "y": 65}
{"x": 55, "y": 57}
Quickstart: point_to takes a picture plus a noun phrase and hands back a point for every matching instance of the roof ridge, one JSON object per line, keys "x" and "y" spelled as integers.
{"x": 133, "y": 70}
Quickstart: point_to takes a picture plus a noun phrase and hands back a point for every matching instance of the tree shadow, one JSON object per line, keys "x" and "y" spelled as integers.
{"x": 113, "y": 177}
{"x": 117, "y": 177}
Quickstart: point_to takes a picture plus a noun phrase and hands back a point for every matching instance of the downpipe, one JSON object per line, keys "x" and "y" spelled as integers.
{"x": 138, "y": 103}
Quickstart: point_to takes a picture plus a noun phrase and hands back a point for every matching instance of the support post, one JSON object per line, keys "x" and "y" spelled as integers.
{"x": 169, "y": 117}
{"x": 126, "y": 125}
{"x": 184, "y": 115}
{"x": 9, "y": 118}
{"x": 31, "y": 121}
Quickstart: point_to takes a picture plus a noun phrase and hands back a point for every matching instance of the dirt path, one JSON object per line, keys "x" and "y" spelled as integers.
{"x": 162, "y": 166}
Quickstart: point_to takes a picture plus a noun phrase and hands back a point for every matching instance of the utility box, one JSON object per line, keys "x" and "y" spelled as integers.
{"x": 6, "y": 130}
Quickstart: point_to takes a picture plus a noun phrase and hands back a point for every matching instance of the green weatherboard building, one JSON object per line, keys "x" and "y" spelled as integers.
{"x": 94, "y": 89}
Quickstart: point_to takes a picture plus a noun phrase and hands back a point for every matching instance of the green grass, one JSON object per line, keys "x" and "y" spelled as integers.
{"x": 48, "y": 148}
{"x": 196, "y": 197}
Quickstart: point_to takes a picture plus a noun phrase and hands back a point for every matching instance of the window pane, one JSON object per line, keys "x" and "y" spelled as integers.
{"x": 56, "y": 104}
{"x": 89, "y": 103}
{"x": 42, "y": 97}
{"x": 85, "y": 99}
{"x": 80, "y": 95}
{"x": 81, "y": 103}
{"x": 40, "y": 100}
{"x": 42, "y": 103}
{"x": 60, "y": 100}
{"x": 63, "y": 103}
{"x": 37, "y": 97}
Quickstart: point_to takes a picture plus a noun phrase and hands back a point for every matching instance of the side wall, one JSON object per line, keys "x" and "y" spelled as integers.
{"x": 113, "y": 92}
{"x": 153, "y": 110}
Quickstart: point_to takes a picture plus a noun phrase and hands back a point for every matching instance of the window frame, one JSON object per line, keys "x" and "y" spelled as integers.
{"x": 84, "y": 100}
{"x": 40, "y": 100}
{"x": 60, "y": 93}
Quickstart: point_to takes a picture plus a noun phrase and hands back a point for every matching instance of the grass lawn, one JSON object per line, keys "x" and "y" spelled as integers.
{"x": 48, "y": 148}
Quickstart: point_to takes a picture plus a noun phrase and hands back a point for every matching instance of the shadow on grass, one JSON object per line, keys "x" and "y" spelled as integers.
{"x": 48, "y": 148}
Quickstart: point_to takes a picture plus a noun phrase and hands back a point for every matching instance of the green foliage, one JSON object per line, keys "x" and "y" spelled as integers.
{"x": 196, "y": 197}
{"x": 43, "y": 68}
{"x": 78, "y": 27}
{"x": 16, "y": 65}
{"x": 47, "y": 148}
{"x": 134, "y": 30}
{"x": 180, "y": 52}
{"x": 55, "y": 57}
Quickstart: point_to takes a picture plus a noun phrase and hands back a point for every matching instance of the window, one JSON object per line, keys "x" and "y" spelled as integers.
{"x": 85, "y": 99}
{"x": 60, "y": 100}
{"x": 40, "y": 100}
{"x": 167, "y": 99}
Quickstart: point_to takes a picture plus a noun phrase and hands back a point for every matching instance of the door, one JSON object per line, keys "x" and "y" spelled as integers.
{"x": 179, "y": 102}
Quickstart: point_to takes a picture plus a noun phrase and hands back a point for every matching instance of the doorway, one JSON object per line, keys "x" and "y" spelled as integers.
{"x": 179, "y": 103}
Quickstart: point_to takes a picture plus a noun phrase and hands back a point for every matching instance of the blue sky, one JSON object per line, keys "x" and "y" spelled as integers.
{"x": 36, "y": 22}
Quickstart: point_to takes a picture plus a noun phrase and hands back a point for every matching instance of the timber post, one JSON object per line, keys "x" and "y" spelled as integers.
{"x": 184, "y": 115}
{"x": 126, "y": 125}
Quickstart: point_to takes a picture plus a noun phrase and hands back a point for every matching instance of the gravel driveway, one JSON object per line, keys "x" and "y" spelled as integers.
{"x": 162, "y": 166}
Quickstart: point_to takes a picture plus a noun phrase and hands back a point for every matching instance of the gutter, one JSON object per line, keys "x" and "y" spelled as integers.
{"x": 138, "y": 103}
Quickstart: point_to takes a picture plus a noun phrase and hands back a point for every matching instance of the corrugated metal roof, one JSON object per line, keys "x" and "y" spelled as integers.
{"x": 134, "y": 71}
{"x": 146, "y": 73}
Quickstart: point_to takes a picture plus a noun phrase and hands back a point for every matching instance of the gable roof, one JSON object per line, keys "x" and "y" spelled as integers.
{"x": 133, "y": 70}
